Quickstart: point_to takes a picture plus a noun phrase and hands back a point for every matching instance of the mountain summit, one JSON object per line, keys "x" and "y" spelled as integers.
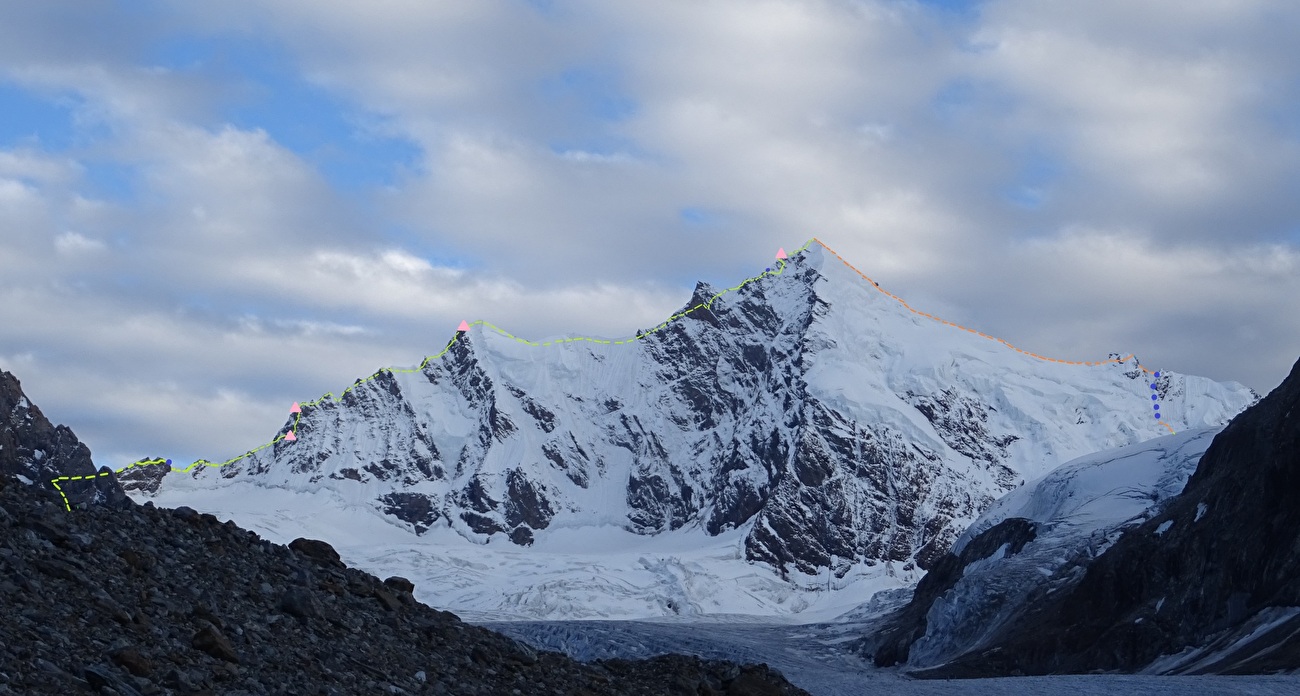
{"x": 808, "y": 408}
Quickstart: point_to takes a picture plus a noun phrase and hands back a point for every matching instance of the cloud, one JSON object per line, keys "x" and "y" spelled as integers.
{"x": 1159, "y": 109}
{"x": 1085, "y": 292}
{"x": 1075, "y": 177}
{"x": 37, "y": 167}
{"x": 73, "y": 243}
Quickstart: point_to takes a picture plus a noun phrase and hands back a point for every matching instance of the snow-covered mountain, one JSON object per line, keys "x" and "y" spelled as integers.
{"x": 808, "y": 410}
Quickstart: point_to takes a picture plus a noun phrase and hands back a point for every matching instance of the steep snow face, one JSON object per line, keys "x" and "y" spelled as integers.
{"x": 808, "y": 408}
{"x": 1078, "y": 511}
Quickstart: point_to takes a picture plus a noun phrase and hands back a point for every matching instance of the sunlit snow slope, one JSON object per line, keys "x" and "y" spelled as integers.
{"x": 805, "y": 421}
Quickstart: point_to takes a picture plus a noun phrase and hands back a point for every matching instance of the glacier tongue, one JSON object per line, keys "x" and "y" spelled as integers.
{"x": 830, "y": 427}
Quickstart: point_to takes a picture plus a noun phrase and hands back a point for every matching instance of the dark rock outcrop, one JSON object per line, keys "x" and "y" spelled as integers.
{"x": 41, "y": 452}
{"x": 1209, "y": 585}
{"x": 150, "y": 601}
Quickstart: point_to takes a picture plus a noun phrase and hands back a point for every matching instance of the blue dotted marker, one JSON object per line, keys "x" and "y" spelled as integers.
{"x": 1156, "y": 397}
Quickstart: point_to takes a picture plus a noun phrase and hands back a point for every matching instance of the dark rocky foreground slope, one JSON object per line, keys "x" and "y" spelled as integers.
{"x": 140, "y": 600}
{"x": 1211, "y": 584}
{"x": 34, "y": 448}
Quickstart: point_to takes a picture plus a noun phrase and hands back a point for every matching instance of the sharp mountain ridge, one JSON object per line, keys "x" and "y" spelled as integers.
{"x": 808, "y": 408}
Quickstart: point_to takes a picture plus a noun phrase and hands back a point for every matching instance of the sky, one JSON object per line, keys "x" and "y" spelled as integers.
{"x": 211, "y": 210}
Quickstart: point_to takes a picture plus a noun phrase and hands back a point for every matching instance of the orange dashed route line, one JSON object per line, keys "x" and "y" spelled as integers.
{"x": 945, "y": 322}
{"x": 778, "y": 270}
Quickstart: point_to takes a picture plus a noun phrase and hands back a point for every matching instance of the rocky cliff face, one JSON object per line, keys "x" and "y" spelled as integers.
{"x": 139, "y": 601}
{"x": 1207, "y": 583}
{"x": 33, "y": 448}
{"x": 807, "y": 407}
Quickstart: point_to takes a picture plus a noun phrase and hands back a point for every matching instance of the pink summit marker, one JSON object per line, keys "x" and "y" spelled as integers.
{"x": 295, "y": 408}
{"x": 290, "y": 436}
{"x": 464, "y": 326}
{"x": 780, "y": 253}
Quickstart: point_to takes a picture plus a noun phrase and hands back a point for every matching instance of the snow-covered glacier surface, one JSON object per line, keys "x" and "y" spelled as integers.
{"x": 588, "y": 573}
{"x": 1079, "y": 510}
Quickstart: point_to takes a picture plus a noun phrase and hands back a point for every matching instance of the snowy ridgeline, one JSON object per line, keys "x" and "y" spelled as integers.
{"x": 810, "y": 413}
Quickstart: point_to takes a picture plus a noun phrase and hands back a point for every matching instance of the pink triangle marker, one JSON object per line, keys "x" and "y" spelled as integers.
{"x": 464, "y": 326}
{"x": 290, "y": 436}
{"x": 295, "y": 408}
{"x": 780, "y": 253}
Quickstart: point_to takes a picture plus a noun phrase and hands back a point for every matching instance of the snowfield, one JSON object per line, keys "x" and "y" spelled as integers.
{"x": 576, "y": 573}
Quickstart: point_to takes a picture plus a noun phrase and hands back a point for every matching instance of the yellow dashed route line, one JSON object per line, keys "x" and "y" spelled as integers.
{"x": 778, "y": 270}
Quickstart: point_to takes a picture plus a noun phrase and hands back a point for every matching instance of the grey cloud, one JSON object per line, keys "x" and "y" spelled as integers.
{"x": 239, "y": 280}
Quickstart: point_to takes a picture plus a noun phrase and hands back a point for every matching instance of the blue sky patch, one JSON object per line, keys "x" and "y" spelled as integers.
{"x": 543, "y": 7}
{"x": 696, "y": 216}
{"x": 953, "y": 100}
{"x": 1037, "y": 171}
{"x": 34, "y": 120}
{"x": 592, "y": 93}
{"x": 957, "y": 7}
{"x": 345, "y": 144}
{"x": 110, "y": 180}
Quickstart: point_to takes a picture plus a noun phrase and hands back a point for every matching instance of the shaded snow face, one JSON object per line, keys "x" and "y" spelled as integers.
{"x": 833, "y": 424}
{"x": 1078, "y": 511}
